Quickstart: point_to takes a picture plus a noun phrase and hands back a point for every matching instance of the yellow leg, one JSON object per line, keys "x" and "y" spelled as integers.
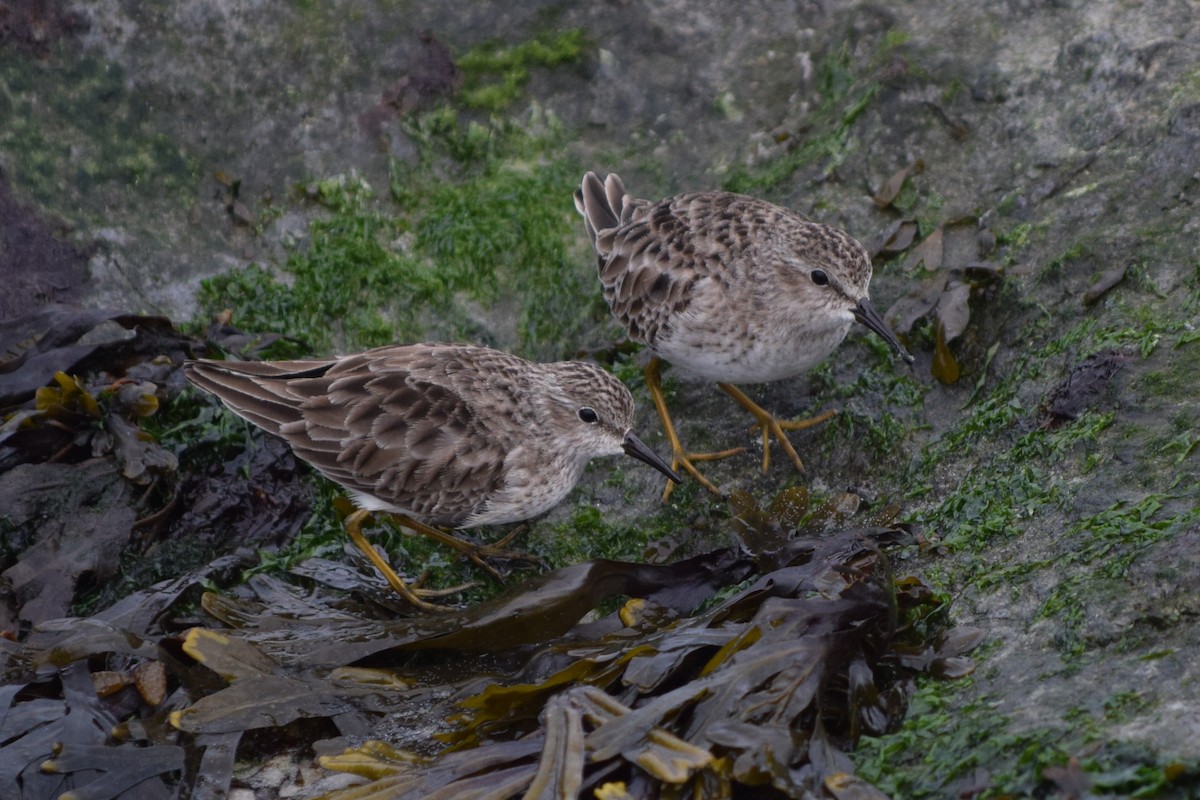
{"x": 769, "y": 425}
{"x": 476, "y": 552}
{"x": 353, "y": 525}
{"x": 679, "y": 457}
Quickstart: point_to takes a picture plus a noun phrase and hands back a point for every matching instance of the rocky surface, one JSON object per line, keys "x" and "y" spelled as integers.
{"x": 1058, "y": 141}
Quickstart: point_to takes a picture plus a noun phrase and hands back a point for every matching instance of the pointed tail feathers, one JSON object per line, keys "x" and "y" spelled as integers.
{"x": 600, "y": 202}
{"x": 257, "y": 391}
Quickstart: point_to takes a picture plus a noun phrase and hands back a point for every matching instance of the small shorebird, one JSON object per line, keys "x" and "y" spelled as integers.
{"x": 448, "y": 435}
{"x": 729, "y": 287}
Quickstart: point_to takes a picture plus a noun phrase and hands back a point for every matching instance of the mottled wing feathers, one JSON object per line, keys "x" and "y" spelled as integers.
{"x": 655, "y": 259}
{"x": 390, "y": 424}
{"x": 431, "y": 450}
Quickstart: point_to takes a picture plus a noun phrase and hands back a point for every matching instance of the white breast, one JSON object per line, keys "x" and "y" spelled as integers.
{"x": 755, "y": 351}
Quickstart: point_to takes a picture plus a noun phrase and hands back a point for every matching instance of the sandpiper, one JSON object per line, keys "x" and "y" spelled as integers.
{"x": 729, "y": 287}
{"x": 448, "y": 435}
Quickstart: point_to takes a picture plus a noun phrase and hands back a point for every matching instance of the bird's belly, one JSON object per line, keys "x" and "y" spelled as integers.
{"x": 530, "y": 492}
{"x": 750, "y": 356}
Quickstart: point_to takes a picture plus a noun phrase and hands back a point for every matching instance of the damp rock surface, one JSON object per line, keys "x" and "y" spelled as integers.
{"x": 147, "y": 146}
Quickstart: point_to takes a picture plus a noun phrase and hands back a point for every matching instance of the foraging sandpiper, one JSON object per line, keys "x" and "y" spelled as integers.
{"x": 729, "y": 287}
{"x": 448, "y": 435}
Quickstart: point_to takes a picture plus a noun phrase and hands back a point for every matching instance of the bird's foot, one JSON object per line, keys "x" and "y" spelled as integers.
{"x": 686, "y": 461}
{"x": 679, "y": 456}
{"x": 769, "y": 425}
{"x": 480, "y": 554}
{"x": 418, "y": 589}
{"x": 772, "y": 426}
{"x": 414, "y": 595}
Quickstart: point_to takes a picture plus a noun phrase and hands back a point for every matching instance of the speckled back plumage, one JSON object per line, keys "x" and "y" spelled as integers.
{"x": 705, "y": 278}
{"x": 453, "y": 435}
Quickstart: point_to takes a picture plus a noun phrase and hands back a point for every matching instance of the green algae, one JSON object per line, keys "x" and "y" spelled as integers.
{"x": 495, "y": 75}
{"x": 484, "y": 218}
{"x": 1024, "y": 477}
{"x": 955, "y": 742}
{"x": 948, "y": 735}
{"x": 845, "y": 88}
{"x": 79, "y": 128}
{"x": 1013, "y": 473}
{"x": 1104, "y": 546}
{"x": 341, "y": 287}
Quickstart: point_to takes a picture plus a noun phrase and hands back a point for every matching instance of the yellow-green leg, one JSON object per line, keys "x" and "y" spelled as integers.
{"x": 679, "y": 456}
{"x": 353, "y": 525}
{"x": 771, "y": 426}
{"x": 476, "y": 552}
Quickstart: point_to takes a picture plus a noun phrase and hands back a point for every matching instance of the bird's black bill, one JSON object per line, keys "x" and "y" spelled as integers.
{"x": 637, "y": 448}
{"x": 865, "y": 313}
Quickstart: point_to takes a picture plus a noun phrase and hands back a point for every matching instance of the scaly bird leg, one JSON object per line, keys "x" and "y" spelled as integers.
{"x": 476, "y": 552}
{"x": 679, "y": 457}
{"x": 353, "y": 526}
{"x": 769, "y": 425}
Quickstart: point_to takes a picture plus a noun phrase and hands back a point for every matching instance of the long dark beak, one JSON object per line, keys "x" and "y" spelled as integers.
{"x": 865, "y": 313}
{"x": 637, "y": 448}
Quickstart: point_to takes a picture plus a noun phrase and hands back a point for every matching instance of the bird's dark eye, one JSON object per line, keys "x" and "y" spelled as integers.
{"x": 820, "y": 278}
{"x": 589, "y": 415}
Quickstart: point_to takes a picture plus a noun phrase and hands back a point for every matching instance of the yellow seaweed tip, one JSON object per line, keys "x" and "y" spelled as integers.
{"x": 838, "y": 781}
{"x": 612, "y": 791}
{"x": 373, "y": 759}
{"x": 191, "y": 641}
{"x": 631, "y": 611}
